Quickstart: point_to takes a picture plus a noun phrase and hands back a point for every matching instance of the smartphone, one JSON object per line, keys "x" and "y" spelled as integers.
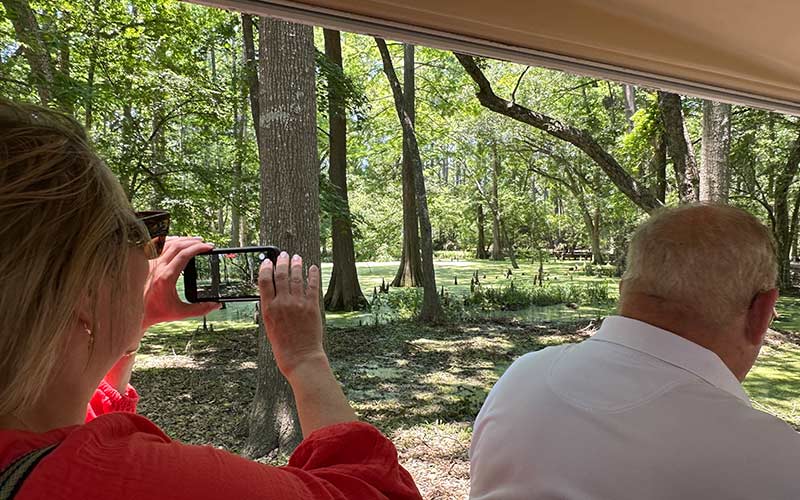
{"x": 226, "y": 274}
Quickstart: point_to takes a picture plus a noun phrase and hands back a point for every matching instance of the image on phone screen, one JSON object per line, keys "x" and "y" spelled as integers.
{"x": 226, "y": 274}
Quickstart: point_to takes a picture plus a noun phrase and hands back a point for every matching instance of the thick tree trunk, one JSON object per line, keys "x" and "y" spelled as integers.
{"x": 289, "y": 202}
{"x": 680, "y": 146}
{"x": 582, "y": 139}
{"x": 497, "y": 241}
{"x": 714, "y": 175}
{"x": 35, "y": 49}
{"x": 431, "y": 307}
{"x": 480, "y": 252}
{"x": 344, "y": 292}
{"x": 410, "y": 271}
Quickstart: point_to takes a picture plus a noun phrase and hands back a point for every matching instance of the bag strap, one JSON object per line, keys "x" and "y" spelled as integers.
{"x": 12, "y": 477}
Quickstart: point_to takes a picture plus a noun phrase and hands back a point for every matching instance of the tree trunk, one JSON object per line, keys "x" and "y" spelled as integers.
{"x": 714, "y": 175}
{"x": 215, "y": 275}
{"x": 289, "y": 202}
{"x": 431, "y": 307}
{"x": 658, "y": 168}
{"x": 344, "y": 292}
{"x": 157, "y": 151}
{"x": 497, "y": 244}
{"x": 250, "y": 68}
{"x": 410, "y": 271}
{"x": 630, "y": 104}
{"x": 594, "y": 236}
{"x": 35, "y": 49}
{"x": 66, "y": 99}
{"x": 582, "y": 139}
{"x": 782, "y": 228}
{"x": 88, "y": 119}
{"x": 480, "y": 252}
{"x": 509, "y": 245}
{"x": 239, "y": 128}
{"x": 680, "y": 146}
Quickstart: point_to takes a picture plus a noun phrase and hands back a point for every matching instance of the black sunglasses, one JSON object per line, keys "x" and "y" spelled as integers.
{"x": 157, "y": 224}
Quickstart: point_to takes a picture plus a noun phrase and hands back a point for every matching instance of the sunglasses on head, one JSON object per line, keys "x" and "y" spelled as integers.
{"x": 157, "y": 224}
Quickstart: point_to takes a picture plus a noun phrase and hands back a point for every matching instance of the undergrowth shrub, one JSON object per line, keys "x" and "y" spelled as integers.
{"x": 514, "y": 297}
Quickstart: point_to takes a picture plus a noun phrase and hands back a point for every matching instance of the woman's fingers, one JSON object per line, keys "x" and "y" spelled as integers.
{"x": 296, "y": 279}
{"x": 197, "y": 309}
{"x": 174, "y": 266}
{"x": 175, "y": 244}
{"x": 282, "y": 274}
{"x": 266, "y": 285}
{"x": 312, "y": 291}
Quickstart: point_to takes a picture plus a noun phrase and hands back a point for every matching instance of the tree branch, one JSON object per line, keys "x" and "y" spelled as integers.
{"x": 575, "y": 136}
{"x": 519, "y": 80}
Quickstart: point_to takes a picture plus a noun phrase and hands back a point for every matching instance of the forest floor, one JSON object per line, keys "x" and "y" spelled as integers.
{"x": 419, "y": 385}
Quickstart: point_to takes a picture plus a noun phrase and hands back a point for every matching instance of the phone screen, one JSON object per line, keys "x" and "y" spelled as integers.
{"x": 226, "y": 274}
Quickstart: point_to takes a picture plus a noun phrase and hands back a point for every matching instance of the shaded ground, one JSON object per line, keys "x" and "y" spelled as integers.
{"x": 421, "y": 386}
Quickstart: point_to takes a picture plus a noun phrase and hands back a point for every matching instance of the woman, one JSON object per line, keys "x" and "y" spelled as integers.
{"x": 77, "y": 293}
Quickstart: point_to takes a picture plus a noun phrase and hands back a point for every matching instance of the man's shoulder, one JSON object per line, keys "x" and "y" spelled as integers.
{"x": 732, "y": 416}
{"x": 541, "y": 356}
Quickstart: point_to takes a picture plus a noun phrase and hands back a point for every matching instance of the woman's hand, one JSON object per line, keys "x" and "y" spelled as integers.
{"x": 291, "y": 313}
{"x": 161, "y": 301}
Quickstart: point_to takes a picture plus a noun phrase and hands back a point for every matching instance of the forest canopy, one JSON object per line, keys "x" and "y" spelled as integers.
{"x": 539, "y": 159}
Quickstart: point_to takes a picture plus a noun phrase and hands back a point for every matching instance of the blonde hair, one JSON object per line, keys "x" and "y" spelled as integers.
{"x": 66, "y": 223}
{"x": 710, "y": 259}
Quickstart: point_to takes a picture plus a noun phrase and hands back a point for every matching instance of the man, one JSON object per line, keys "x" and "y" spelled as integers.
{"x": 651, "y": 407}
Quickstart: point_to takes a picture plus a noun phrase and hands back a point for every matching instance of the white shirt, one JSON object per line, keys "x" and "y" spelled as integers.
{"x": 635, "y": 412}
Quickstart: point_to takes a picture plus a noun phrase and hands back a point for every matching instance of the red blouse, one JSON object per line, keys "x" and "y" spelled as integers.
{"x": 119, "y": 455}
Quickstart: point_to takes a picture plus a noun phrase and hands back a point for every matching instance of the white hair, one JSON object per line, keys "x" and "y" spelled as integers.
{"x": 709, "y": 259}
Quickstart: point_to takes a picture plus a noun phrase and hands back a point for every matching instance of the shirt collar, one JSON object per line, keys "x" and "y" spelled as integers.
{"x": 672, "y": 349}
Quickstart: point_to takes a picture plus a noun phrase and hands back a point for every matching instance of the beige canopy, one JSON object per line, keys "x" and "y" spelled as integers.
{"x": 738, "y": 51}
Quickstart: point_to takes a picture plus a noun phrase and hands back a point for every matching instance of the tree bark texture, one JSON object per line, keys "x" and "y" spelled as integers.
{"x": 431, "y": 307}
{"x": 289, "y": 202}
{"x": 679, "y": 145}
{"x": 714, "y": 174}
{"x": 410, "y": 271}
{"x": 582, "y": 139}
{"x": 344, "y": 292}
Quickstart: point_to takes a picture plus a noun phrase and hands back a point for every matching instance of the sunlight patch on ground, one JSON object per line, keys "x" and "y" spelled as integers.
{"x": 145, "y": 362}
{"x": 437, "y": 456}
{"x": 774, "y": 383}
